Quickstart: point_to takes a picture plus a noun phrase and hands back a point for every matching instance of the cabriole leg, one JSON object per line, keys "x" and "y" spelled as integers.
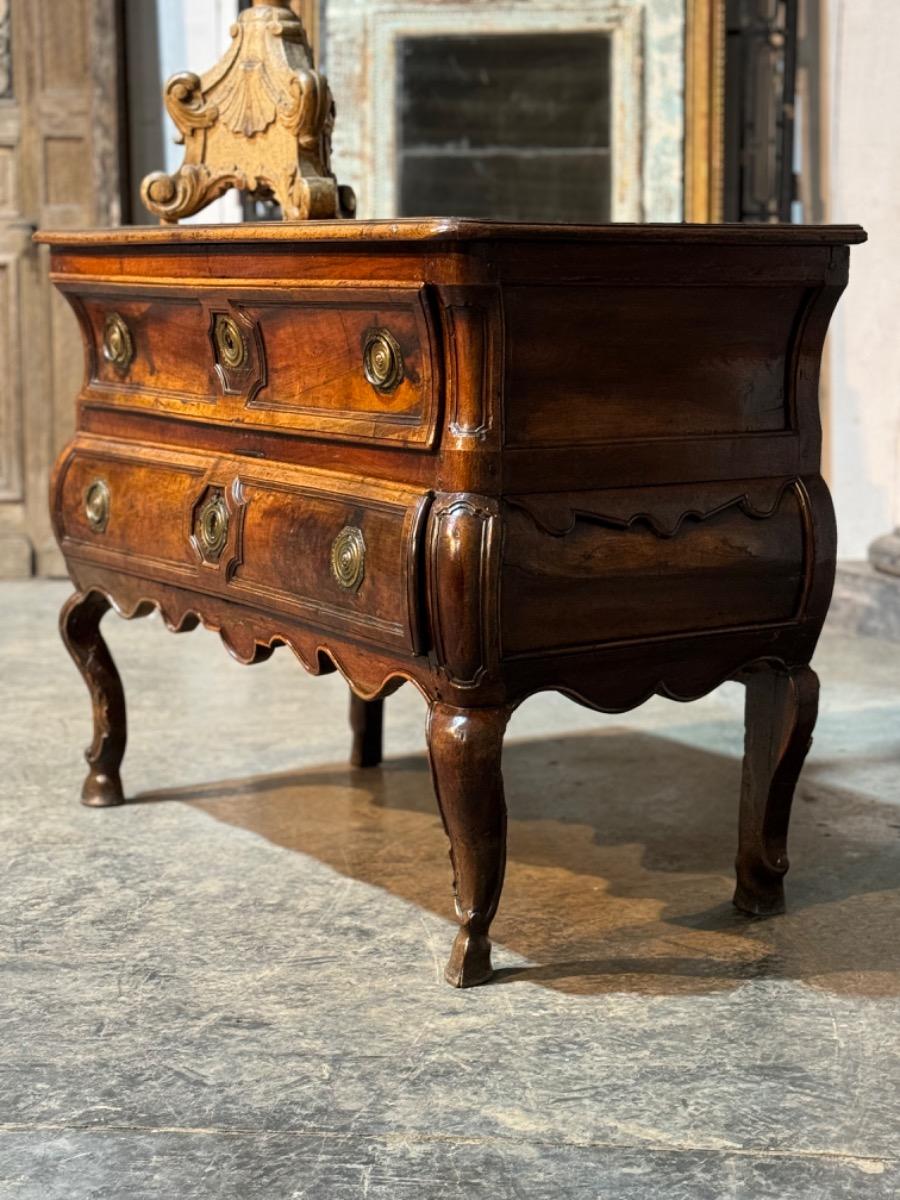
{"x": 464, "y": 747}
{"x": 366, "y": 721}
{"x": 781, "y": 710}
{"x": 80, "y": 628}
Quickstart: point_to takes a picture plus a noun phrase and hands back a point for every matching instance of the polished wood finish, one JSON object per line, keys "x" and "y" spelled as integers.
{"x": 464, "y": 747}
{"x": 781, "y": 712}
{"x": 301, "y": 364}
{"x": 80, "y": 628}
{"x": 487, "y": 459}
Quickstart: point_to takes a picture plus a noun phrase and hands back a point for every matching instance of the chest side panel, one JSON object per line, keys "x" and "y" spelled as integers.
{"x": 599, "y": 568}
{"x": 590, "y": 364}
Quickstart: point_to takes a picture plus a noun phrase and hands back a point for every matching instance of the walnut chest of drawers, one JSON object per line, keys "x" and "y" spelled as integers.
{"x": 487, "y": 459}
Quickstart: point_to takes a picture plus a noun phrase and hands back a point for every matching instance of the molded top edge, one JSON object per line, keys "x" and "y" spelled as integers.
{"x": 415, "y": 229}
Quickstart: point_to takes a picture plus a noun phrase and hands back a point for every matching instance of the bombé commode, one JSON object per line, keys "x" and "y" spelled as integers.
{"x": 488, "y": 459}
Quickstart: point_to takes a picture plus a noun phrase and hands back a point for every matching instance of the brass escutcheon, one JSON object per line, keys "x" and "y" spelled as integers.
{"x": 118, "y": 347}
{"x": 230, "y": 344}
{"x": 382, "y": 360}
{"x": 212, "y": 527}
{"x": 96, "y": 505}
{"x": 348, "y": 558}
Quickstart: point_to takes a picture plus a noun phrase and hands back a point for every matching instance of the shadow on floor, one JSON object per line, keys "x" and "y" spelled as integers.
{"x": 620, "y": 864}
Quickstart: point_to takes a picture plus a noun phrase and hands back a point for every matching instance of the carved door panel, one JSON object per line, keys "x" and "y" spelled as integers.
{"x": 59, "y": 152}
{"x": 15, "y": 550}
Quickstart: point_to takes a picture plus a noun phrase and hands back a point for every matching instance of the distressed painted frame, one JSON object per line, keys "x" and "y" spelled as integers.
{"x": 647, "y": 86}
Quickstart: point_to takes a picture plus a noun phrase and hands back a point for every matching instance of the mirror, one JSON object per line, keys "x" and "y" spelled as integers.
{"x": 573, "y": 111}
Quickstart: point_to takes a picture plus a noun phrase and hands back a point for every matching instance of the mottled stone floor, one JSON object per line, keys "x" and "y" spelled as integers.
{"x": 231, "y": 986}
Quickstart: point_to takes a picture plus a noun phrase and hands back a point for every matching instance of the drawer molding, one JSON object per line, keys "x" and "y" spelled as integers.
{"x": 304, "y": 372}
{"x": 140, "y": 383}
{"x": 281, "y": 526}
{"x": 241, "y": 374}
{"x": 225, "y": 560}
{"x": 410, "y": 508}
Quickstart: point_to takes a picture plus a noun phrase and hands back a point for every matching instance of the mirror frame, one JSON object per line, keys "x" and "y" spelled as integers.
{"x": 704, "y": 110}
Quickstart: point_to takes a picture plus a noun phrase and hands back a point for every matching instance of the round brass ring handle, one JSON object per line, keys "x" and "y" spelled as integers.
{"x": 348, "y": 558}
{"x": 96, "y": 505}
{"x": 230, "y": 345}
{"x": 212, "y": 527}
{"x": 382, "y": 360}
{"x": 118, "y": 347}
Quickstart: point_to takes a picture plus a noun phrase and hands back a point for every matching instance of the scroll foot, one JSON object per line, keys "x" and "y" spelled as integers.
{"x": 80, "y": 629}
{"x": 781, "y": 712}
{"x": 465, "y": 748}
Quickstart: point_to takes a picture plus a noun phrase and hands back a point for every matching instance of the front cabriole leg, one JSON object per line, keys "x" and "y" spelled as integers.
{"x": 79, "y": 624}
{"x": 464, "y": 747}
{"x": 781, "y": 708}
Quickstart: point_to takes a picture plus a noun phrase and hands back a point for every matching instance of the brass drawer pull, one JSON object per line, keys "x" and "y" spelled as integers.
{"x": 118, "y": 348}
{"x": 382, "y": 360}
{"x": 348, "y": 558}
{"x": 96, "y": 505}
{"x": 212, "y": 527}
{"x": 231, "y": 347}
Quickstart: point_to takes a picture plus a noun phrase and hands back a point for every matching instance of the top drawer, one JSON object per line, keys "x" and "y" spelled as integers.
{"x": 354, "y": 364}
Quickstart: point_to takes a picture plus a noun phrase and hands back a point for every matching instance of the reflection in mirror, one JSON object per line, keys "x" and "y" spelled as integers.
{"x": 515, "y": 125}
{"x": 760, "y": 71}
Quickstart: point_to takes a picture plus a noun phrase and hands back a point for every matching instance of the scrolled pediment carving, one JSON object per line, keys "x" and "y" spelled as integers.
{"x": 261, "y": 121}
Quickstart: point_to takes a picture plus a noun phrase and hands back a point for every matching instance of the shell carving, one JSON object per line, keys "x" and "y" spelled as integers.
{"x": 248, "y": 105}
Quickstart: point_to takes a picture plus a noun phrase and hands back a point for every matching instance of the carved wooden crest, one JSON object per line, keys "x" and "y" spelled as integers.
{"x": 261, "y": 121}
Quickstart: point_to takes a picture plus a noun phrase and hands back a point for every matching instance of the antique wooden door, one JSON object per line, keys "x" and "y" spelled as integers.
{"x": 59, "y": 156}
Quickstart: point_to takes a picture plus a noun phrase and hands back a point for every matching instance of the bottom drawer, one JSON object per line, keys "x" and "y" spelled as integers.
{"x": 325, "y": 548}
{"x": 590, "y": 569}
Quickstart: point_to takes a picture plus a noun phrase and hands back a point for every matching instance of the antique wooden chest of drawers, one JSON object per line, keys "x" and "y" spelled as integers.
{"x": 487, "y": 459}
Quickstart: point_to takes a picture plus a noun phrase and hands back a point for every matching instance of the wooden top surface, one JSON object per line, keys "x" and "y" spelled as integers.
{"x": 452, "y": 229}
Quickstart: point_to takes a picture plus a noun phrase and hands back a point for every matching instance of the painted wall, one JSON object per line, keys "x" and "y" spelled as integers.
{"x": 864, "y": 186}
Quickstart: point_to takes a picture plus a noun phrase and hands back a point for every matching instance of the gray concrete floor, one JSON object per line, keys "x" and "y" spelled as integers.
{"x": 230, "y": 987}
